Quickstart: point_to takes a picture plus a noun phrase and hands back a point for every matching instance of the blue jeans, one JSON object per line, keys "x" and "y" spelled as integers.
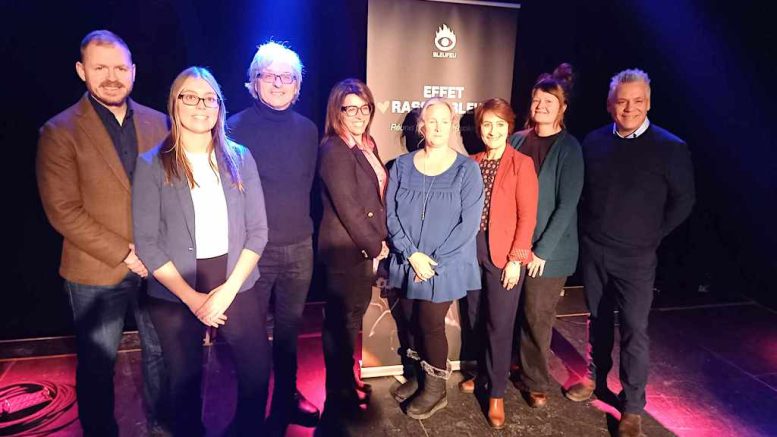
{"x": 286, "y": 271}
{"x": 98, "y": 314}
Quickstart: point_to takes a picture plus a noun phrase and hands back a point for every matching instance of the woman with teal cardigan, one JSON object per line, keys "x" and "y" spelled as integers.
{"x": 558, "y": 161}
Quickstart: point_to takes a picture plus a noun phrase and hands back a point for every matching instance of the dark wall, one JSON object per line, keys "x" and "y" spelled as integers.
{"x": 710, "y": 64}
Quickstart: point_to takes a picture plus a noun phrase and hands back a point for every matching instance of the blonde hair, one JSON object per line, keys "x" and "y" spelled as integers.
{"x": 425, "y": 109}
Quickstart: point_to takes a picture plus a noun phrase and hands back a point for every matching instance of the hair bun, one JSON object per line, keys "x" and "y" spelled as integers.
{"x": 564, "y": 75}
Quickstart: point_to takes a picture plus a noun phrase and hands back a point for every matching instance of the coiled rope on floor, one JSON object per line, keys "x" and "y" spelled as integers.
{"x": 36, "y": 408}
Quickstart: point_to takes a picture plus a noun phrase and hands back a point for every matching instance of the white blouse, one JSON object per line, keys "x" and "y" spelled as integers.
{"x": 211, "y": 224}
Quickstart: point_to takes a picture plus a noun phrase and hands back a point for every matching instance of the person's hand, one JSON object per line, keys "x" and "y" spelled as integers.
{"x": 134, "y": 263}
{"x": 219, "y": 299}
{"x": 536, "y": 267}
{"x": 423, "y": 265}
{"x": 384, "y": 251}
{"x": 195, "y": 302}
{"x": 511, "y": 275}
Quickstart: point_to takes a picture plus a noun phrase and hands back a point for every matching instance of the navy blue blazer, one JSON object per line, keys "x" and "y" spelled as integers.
{"x": 163, "y": 219}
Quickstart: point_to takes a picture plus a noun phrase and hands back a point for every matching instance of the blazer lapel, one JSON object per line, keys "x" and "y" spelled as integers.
{"x": 362, "y": 160}
{"x": 143, "y": 130}
{"x": 187, "y": 205}
{"x": 506, "y": 166}
{"x": 89, "y": 122}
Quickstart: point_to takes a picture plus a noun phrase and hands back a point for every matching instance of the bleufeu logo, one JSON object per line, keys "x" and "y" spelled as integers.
{"x": 445, "y": 41}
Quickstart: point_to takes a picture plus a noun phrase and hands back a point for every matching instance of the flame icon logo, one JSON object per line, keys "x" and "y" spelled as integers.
{"x": 445, "y": 39}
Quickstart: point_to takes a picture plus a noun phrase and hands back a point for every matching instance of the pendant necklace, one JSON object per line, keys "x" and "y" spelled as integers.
{"x": 426, "y": 193}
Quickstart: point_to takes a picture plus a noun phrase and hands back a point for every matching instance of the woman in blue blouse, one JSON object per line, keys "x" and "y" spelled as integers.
{"x": 434, "y": 202}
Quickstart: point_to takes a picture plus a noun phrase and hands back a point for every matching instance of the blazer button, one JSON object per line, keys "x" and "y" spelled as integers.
{"x": 191, "y": 249}
{"x": 370, "y": 214}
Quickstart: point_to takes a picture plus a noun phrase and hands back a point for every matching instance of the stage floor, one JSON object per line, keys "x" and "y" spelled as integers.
{"x": 713, "y": 373}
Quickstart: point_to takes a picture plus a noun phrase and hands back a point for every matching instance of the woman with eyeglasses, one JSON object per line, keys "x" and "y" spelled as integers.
{"x": 353, "y": 231}
{"x": 200, "y": 227}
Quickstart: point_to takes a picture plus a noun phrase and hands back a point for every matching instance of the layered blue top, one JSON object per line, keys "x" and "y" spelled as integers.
{"x": 454, "y": 203}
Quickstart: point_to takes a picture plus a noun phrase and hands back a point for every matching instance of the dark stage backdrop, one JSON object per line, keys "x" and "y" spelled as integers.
{"x": 711, "y": 64}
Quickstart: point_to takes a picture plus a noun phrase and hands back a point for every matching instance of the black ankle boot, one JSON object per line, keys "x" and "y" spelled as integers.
{"x": 410, "y": 386}
{"x": 433, "y": 395}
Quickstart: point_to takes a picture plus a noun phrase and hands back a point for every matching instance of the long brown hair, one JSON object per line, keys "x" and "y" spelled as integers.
{"x": 334, "y": 125}
{"x": 558, "y": 84}
{"x": 173, "y": 158}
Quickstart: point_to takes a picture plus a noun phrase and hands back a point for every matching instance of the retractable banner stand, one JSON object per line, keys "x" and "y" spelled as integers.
{"x": 459, "y": 50}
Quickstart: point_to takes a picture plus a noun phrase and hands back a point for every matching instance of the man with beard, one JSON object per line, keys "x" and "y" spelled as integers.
{"x": 86, "y": 158}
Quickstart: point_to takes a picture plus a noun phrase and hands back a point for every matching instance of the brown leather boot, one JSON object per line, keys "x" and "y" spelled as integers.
{"x": 630, "y": 425}
{"x": 496, "y": 413}
{"x": 467, "y": 385}
{"x": 537, "y": 399}
{"x": 581, "y": 390}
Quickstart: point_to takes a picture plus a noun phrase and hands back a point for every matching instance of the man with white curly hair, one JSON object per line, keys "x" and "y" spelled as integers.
{"x": 285, "y": 146}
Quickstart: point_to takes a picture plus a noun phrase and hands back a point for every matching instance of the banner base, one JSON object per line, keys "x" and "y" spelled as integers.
{"x": 378, "y": 371}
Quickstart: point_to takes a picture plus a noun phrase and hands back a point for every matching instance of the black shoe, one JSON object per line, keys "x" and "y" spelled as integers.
{"x": 433, "y": 395}
{"x": 303, "y": 412}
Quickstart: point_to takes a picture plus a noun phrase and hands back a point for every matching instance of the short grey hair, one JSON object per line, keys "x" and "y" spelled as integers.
{"x": 628, "y": 76}
{"x": 268, "y": 53}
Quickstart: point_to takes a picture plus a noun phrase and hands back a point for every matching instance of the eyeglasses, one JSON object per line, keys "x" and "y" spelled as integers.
{"x": 194, "y": 100}
{"x": 351, "y": 111}
{"x": 286, "y": 78}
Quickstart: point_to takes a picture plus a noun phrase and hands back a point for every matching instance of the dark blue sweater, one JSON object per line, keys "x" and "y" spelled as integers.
{"x": 285, "y": 147}
{"x": 636, "y": 190}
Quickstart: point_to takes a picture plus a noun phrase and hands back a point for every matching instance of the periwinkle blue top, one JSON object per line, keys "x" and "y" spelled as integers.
{"x": 454, "y": 204}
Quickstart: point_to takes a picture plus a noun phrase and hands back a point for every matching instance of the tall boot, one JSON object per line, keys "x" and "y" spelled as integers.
{"x": 410, "y": 386}
{"x": 433, "y": 395}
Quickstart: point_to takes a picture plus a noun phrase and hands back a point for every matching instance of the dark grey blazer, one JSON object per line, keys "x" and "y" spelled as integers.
{"x": 163, "y": 219}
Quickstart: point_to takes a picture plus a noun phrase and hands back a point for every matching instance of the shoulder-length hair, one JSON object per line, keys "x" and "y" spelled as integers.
{"x": 172, "y": 155}
{"x": 334, "y": 125}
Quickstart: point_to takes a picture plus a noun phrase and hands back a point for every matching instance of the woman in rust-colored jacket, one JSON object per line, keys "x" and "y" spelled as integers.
{"x": 503, "y": 245}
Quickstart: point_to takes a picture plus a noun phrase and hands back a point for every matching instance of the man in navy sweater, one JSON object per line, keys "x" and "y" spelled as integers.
{"x": 285, "y": 147}
{"x": 638, "y": 188}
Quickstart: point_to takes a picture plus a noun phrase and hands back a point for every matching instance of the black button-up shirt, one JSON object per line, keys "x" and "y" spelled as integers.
{"x": 124, "y": 137}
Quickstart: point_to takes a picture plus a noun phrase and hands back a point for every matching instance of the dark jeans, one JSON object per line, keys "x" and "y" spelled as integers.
{"x": 501, "y": 308}
{"x": 286, "y": 274}
{"x": 348, "y": 296}
{"x": 540, "y": 296}
{"x": 622, "y": 280}
{"x": 181, "y": 335}
{"x": 473, "y": 348}
{"x": 98, "y": 314}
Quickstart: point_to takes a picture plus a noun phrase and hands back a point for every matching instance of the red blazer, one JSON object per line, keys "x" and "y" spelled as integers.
{"x": 513, "y": 211}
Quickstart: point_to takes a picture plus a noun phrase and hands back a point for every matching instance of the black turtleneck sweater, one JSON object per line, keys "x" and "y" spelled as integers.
{"x": 285, "y": 147}
{"x": 636, "y": 190}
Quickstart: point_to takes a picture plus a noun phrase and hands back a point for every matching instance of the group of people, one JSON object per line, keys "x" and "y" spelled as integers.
{"x": 215, "y": 213}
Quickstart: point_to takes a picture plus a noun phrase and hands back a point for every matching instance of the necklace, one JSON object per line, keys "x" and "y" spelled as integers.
{"x": 426, "y": 193}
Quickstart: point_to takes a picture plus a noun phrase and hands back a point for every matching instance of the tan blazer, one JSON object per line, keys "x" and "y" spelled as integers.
{"x": 85, "y": 191}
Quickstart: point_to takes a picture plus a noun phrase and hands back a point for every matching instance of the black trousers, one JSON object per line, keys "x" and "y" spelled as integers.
{"x": 286, "y": 273}
{"x": 540, "y": 296}
{"x": 181, "y": 335}
{"x": 348, "y": 296}
{"x": 623, "y": 280}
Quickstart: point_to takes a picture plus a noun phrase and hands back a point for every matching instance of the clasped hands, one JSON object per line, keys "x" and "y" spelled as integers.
{"x": 210, "y": 308}
{"x": 423, "y": 266}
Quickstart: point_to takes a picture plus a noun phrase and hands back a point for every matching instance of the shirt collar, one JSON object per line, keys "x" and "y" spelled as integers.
{"x": 640, "y": 130}
{"x": 350, "y": 141}
{"x": 106, "y": 114}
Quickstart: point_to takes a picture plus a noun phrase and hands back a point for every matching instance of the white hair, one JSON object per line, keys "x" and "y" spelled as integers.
{"x": 628, "y": 76}
{"x": 268, "y": 53}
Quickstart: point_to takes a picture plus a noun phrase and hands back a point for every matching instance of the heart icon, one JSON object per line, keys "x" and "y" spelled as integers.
{"x": 383, "y": 106}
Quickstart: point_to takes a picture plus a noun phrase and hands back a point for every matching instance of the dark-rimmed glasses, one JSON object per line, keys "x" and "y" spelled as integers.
{"x": 194, "y": 100}
{"x": 286, "y": 78}
{"x": 352, "y": 110}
